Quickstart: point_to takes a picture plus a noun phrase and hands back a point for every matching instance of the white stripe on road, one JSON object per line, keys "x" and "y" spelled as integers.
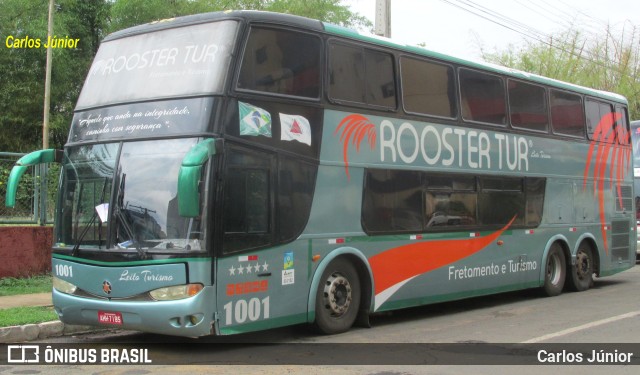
{"x": 582, "y": 327}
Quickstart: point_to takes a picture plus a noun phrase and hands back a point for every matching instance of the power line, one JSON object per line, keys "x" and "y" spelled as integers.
{"x": 512, "y": 25}
{"x": 544, "y": 11}
{"x": 523, "y": 29}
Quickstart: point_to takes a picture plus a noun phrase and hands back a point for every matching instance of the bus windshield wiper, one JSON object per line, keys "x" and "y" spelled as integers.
{"x": 121, "y": 218}
{"x": 76, "y": 247}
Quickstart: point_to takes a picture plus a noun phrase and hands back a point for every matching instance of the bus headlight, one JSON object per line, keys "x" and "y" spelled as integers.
{"x": 176, "y": 292}
{"x": 63, "y": 286}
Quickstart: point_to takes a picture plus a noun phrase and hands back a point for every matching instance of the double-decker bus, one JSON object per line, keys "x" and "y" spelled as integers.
{"x": 239, "y": 171}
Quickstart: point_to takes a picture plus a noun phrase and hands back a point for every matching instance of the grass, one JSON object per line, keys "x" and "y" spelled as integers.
{"x": 35, "y": 284}
{"x": 16, "y": 316}
{"x": 27, "y": 314}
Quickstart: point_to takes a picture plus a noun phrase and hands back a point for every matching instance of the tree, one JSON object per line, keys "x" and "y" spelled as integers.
{"x": 23, "y": 67}
{"x": 127, "y": 13}
{"x": 325, "y": 10}
{"x": 22, "y": 82}
{"x": 610, "y": 61}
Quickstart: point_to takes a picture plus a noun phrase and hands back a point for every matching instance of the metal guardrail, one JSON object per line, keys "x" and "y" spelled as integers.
{"x": 35, "y": 199}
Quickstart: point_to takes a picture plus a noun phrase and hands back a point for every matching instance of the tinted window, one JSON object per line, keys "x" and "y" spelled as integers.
{"x": 567, "y": 116}
{"x": 528, "y": 106}
{"x": 482, "y": 97}
{"x": 598, "y": 127}
{"x": 500, "y": 200}
{"x": 362, "y": 76}
{"x": 281, "y": 62}
{"x": 450, "y": 201}
{"x": 622, "y": 126}
{"x": 411, "y": 201}
{"x": 247, "y": 203}
{"x": 428, "y": 88}
{"x": 296, "y": 181}
{"x": 392, "y": 201}
{"x": 346, "y": 76}
{"x": 262, "y": 189}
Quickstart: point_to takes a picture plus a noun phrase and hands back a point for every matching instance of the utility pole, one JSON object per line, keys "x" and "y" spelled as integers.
{"x": 47, "y": 83}
{"x": 383, "y": 18}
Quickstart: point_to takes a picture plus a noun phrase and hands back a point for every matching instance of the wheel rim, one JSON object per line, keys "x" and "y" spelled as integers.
{"x": 554, "y": 271}
{"x": 583, "y": 265}
{"x": 337, "y": 295}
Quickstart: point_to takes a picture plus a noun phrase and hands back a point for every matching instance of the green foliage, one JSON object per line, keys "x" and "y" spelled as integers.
{"x": 24, "y": 195}
{"x": 22, "y": 75}
{"x": 23, "y": 69}
{"x": 135, "y": 12}
{"x": 11, "y": 286}
{"x": 609, "y": 61}
{"x": 26, "y": 191}
{"x": 331, "y": 11}
{"x": 16, "y": 316}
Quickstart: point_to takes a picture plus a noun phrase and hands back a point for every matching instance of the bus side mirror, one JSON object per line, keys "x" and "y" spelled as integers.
{"x": 189, "y": 177}
{"x": 33, "y": 158}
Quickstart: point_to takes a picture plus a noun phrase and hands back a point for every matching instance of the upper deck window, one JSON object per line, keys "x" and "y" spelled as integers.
{"x": 428, "y": 88}
{"x": 281, "y": 62}
{"x": 599, "y": 121}
{"x": 567, "y": 114}
{"x": 483, "y": 97}
{"x": 360, "y": 75}
{"x": 622, "y": 128}
{"x": 175, "y": 62}
{"x": 528, "y": 106}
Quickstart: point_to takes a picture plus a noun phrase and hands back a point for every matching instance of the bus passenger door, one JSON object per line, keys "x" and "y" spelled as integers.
{"x": 245, "y": 266}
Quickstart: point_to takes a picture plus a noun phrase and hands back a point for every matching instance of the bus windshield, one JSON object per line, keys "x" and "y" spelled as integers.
{"x": 191, "y": 60}
{"x": 132, "y": 186}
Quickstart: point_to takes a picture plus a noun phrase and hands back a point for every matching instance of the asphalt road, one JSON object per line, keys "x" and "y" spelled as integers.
{"x": 608, "y": 314}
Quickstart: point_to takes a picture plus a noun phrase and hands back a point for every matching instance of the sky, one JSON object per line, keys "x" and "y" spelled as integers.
{"x": 443, "y": 26}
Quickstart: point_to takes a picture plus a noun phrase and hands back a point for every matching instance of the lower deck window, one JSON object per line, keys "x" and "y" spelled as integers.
{"x": 409, "y": 201}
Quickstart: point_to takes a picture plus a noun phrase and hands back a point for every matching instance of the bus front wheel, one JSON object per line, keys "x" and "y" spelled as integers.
{"x": 337, "y": 297}
{"x": 555, "y": 272}
{"x": 582, "y": 272}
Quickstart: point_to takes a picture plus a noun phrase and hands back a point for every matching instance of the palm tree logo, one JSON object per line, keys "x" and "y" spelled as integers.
{"x": 353, "y": 129}
{"x": 610, "y": 146}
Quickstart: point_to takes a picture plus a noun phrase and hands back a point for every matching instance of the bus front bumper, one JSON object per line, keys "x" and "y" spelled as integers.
{"x": 190, "y": 317}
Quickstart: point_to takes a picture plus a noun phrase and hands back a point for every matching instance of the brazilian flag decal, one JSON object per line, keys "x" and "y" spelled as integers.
{"x": 254, "y": 120}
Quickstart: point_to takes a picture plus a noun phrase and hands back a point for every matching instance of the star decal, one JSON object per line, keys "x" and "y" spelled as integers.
{"x": 241, "y": 269}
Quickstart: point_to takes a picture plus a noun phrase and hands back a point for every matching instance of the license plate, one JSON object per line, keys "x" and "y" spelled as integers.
{"x": 114, "y": 318}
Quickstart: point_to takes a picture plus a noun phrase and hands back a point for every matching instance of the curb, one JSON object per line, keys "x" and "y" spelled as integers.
{"x": 30, "y": 332}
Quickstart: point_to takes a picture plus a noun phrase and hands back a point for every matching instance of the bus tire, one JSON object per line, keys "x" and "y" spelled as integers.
{"x": 555, "y": 271}
{"x": 337, "y": 297}
{"x": 582, "y": 271}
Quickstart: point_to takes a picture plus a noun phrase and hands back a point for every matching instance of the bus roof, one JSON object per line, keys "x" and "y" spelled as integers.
{"x": 331, "y": 29}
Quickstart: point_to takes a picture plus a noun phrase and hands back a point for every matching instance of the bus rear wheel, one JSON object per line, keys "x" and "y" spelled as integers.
{"x": 582, "y": 272}
{"x": 555, "y": 273}
{"x": 337, "y": 297}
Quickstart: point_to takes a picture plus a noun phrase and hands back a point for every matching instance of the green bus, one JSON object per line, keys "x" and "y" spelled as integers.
{"x": 238, "y": 171}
